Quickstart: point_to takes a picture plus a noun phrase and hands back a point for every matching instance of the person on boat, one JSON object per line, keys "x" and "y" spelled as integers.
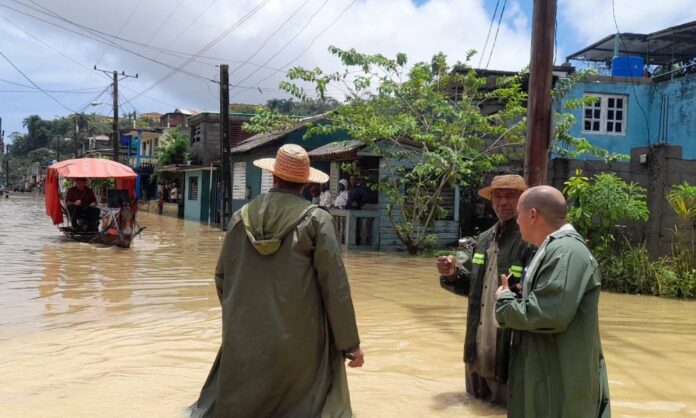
{"x": 288, "y": 319}
{"x": 499, "y": 250}
{"x": 82, "y": 202}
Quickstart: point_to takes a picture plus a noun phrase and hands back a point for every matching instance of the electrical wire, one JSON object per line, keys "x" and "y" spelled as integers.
{"x": 34, "y": 84}
{"x": 101, "y": 39}
{"x": 123, "y": 26}
{"x": 500, "y": 18}
{"x": 333, "y": 22}
{"x": 205, "y": 48}
{"x": 275, "y": 32}
{"x": 490, "y": 28}
{"x": 285, "y": 45}
{"x": 179, "y": 34}
{"x": 633, "y": 85}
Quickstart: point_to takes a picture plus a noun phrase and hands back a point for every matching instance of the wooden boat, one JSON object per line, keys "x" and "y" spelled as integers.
{"x": 117, "y": 224}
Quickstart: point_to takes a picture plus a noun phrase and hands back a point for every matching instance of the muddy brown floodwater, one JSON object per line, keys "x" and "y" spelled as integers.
{"x": 89, "y": 331}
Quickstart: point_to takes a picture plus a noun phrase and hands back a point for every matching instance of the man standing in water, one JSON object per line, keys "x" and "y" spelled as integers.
{"x": 287, "y": 314}
{"x": 557, "y": 367}
{"x": 498, "y": 250}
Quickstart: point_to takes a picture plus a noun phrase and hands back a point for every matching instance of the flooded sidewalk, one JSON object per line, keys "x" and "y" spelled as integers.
{"x": 88, "y": 331}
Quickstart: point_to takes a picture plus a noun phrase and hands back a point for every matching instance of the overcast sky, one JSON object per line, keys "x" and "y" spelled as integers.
{"x": 56, "y": 43}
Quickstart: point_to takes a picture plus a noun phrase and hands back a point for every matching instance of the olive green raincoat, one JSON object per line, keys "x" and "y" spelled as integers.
{"x": 557, "y": 368}
{"x": 287, "y": 315}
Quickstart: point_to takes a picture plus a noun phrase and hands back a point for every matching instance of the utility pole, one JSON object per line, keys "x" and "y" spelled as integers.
{"x": 115, "y": 133}
{"x": 539, "y": 129}
{"x": 225, "y": 145}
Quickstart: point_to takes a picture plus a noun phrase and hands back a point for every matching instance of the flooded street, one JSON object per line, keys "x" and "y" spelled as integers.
{"x": 88, "y": 331}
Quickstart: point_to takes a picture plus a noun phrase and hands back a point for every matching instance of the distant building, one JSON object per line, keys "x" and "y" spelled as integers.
{"x": 645, "y": 92}
{"x": 177, "y": 118}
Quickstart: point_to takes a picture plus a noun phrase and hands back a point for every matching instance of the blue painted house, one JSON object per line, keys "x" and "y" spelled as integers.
{"x": 645, "y": 91}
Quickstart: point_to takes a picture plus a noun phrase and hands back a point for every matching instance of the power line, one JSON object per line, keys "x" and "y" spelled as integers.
{"x": 193, "y": 22}
{"x": 490, "y": 28}
{"x": 633, "y": 85}
{"x": 98, "y": 38}
{"x": 85, "y": 89}
{"x": 47, "y": 45}
{"x": 169, "y": 16}
{"x": 205, "y": 48}
{"x": 282, "y": 48}
{"x": 102, "y": 35}
{"x": 502, "y": 12}
{"x": 123, "y": 26}
{"x": 34, "y": 84}
{"x": 333, "y": 22}
{"x": 278, "y": 29}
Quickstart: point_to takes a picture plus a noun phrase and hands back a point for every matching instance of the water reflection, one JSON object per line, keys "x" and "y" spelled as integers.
{"x": 132, "y": 332}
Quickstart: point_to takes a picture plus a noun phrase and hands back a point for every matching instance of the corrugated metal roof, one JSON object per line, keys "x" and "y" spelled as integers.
{"x": 259, "y": 140}
{"x": 674, "y": 44}
{"x": 336, "y": 150}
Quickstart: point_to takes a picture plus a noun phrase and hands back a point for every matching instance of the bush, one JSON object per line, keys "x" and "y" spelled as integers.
{"x": 627, "y": 270}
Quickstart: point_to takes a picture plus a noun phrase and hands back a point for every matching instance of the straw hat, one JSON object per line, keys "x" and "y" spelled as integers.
{"x": 292, "y": 164}
{"x": 509, "y": 182}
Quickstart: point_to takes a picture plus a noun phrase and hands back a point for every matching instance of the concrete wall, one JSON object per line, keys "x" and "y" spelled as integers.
{"x": 646, "y": 122}
{"x": 663, "y": 168}
{"x": 198, "y": 209}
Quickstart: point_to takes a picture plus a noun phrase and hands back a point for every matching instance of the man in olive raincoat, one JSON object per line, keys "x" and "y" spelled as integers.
{"x": 287, "y": 314}
{"x": 498, "y": 250}
{"x": 557, "y": 367}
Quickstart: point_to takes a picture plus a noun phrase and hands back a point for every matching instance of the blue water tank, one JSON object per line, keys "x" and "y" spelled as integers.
{"x": 627, "y": 66}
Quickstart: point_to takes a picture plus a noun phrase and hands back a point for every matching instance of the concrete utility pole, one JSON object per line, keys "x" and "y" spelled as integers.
{"x": 115, "y": 133}
{"x": 225, "y": 145}
{"x": 539, "y": 129}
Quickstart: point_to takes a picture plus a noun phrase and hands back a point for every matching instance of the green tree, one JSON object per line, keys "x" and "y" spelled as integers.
{"x": 173, "y": 147}
{"x": 427, "y": 136}
{"x": 426, "y": 124}
{"x": 600, "y": 204}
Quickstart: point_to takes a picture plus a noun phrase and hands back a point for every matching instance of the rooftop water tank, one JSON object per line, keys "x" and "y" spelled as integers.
{"x": 627, "y": 66}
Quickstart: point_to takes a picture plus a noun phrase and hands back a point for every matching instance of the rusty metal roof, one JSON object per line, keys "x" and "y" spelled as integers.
{"x": 337, "y": 150}
{"x": 260, "y": 140}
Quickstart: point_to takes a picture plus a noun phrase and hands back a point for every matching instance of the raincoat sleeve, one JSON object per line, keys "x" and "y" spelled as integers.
{"x": 226, "y": 248}
{"x": 558, "y": 288}
{"x": 459, "y": 284}
{"x": 333, "y": 282}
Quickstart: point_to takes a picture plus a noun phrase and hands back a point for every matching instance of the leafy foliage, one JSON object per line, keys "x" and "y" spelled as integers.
{"x": 173, "y": 147}
{"x": 424, "y": 121}
{"x": 597, "y": 206}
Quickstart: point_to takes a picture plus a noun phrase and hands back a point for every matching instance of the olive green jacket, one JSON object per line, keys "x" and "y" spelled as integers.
{"x": 513, "y": 256}
{"x": 287, "y": 315}
{"x": 557, "y": 367}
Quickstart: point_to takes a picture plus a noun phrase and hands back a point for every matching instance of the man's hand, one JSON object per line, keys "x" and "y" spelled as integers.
{"x": 359, "y": 359}
{"x": 78, "y": 202}
{"x": 446, "y": 265}
{"x": 503, "y": 286}
{"x": 93, "y": 204}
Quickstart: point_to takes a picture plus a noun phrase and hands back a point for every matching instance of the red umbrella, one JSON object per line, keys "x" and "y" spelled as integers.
{"x": 92, "y": 168}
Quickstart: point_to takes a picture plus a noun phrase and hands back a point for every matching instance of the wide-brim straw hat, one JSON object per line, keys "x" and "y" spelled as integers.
{"x": 508, "y": 182}
{"x": 292, "y": 164}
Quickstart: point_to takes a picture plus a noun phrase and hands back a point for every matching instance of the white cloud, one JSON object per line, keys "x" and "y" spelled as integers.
{"x": 385, "y": 26}
{"x": 592, "y": 20}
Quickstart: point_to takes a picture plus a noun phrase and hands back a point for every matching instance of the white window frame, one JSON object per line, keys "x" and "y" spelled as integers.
{"x": 604, "y": 113}
{"x": 239, "y": 181}
{"x": 266, "y": 181}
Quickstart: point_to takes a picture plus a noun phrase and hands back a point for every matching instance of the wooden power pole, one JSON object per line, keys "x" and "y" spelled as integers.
{"x": 115, "y": 133}
{"x": 539, "y": 129}
{"x": 225, "y": 147}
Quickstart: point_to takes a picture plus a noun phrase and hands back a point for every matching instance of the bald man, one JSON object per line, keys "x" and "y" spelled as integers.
{"x": 557, "y": 367}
